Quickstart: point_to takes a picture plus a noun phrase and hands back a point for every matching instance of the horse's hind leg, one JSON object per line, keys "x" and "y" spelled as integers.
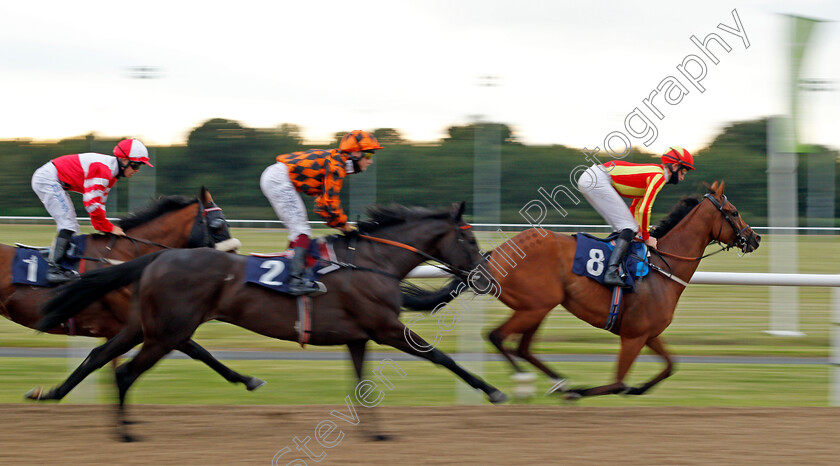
{"x": 658, "y": 346}
{"x": 98, "y": 357}
{"x": 524, "y": 352}
{"x": 398, "y": 337}
{"x": 521, "y": 322}
{"x": 150, "y": 353}
{"x": 357, "y": 350}
{"x": 197, "y": 352}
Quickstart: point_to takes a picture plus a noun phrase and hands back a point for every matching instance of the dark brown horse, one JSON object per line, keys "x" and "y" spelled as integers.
{"x": 168, "y": 222}
{"x": 181, "y": 289}
{"x": 542, "y": 279}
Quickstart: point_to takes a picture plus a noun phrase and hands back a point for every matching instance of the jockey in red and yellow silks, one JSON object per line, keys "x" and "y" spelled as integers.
{"x": 604, "y": 186}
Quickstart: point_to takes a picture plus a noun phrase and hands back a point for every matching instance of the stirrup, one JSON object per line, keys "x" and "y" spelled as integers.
{"x": 59, "y": 275}
{"x": 302, "y": 286}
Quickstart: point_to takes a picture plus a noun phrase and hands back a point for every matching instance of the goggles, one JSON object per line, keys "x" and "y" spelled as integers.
{"x": 135, "y": 165}
{"x": 368, "y": 154}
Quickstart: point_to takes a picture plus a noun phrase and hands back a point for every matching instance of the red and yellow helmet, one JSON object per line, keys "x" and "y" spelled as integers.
{"x": 358, "y": 140}
{"x": 133, "y": 150}
{"x": 677, "y": 154}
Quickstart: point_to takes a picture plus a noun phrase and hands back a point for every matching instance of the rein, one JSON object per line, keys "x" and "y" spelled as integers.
{"x": 446, "y": 267}
{"x": 200, "y": 221}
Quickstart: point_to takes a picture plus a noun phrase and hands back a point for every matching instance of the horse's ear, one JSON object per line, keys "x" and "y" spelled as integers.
{"x": 721, "y": 187}
{"x": 205, "y": 196}
{"x": 713, "y": 188}
{"x": 458, "y": 209}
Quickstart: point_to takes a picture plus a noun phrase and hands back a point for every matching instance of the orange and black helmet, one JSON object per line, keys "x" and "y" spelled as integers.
{"x": 357, "y": 141}
{"x": 677, "y": 154}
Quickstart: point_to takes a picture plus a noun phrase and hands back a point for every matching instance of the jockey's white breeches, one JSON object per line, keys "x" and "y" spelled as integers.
{"x": 57, "y": 201}
{"x": 596, "y": 186}
{"x": 285, "y": 200}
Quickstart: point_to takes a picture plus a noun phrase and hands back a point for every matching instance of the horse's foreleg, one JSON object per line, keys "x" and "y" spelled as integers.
{"x": 196, "y": 351}
{"x": 398, "y": 338}
{"x": 98, "y": 357}
{"x": 658, "y": 346}
{"x": 630, "y": 349}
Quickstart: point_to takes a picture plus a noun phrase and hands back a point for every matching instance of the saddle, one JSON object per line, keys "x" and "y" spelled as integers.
{"x": 29, "y": 266}
{"x": 592, "y": 255}
{"x": 271, "y": 270}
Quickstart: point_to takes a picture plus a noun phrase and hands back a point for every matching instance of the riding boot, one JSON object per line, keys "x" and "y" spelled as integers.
{"x": 56, "y": 273}
{"x": 622, "y": 244}
{"x": 298, "y": 283}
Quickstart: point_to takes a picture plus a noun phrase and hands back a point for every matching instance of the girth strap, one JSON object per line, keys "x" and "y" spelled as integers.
{"x": 615, "y": 305}
{"x": 304, "y": 321}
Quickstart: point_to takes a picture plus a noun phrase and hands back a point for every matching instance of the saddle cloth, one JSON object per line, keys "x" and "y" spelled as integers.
{"x": 29, "y": 266}
{"x": 272, "y": 270}
{"x": 592, "y": 255}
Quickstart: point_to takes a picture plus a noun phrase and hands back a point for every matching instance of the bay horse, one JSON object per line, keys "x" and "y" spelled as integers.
{"x": 543, "y": 279}
{"x": 179, "y": 290}
{"x": 168, "y": 222}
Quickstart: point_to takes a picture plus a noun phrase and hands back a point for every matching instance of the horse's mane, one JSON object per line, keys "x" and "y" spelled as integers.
{"x": 158, "y": 207}
{"x": 395, "y": 214}
{"x": 678, "y": 212}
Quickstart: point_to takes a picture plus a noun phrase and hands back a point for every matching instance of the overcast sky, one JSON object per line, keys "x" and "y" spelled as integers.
{"x": 567, "y": 72}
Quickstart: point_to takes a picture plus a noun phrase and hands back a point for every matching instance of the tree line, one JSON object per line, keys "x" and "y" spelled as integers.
{"x": 228, "y": 158}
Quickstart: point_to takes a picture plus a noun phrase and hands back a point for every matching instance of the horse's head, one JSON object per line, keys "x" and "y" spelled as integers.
{"x": 216, "y": 228}
{"x": 440, "y": 235}
{"x": 730, "y": 228}
{"x": 459, "y": 246}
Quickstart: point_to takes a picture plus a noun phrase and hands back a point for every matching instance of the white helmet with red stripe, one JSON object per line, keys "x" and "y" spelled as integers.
{"x": 133, "y": 150}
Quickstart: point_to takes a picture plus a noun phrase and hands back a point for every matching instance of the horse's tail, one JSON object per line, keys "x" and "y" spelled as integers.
{"x": 72, "y": 298}
{"x": 419, "y": 299}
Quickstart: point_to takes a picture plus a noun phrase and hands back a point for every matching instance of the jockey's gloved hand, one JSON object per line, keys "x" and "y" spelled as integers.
{"x": 349, "y": 229}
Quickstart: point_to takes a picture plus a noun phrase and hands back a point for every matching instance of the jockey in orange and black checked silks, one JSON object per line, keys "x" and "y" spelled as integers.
{"x": 318, "y": 173}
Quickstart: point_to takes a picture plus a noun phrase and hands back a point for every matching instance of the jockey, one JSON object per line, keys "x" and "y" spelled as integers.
{"x": 318, "y": 173}
{"x": 604, "y": 186}
{"x": 92, "y": 175}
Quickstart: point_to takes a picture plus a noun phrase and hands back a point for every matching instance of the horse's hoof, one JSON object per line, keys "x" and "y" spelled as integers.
{"x": 560, "y": 385}
{"x": 254, "y": 383}
{"x": 497, "y": 397}
{"x": 571, "y": 395}
{"x": 632, "y": 391}
{"x": 34, "y": 394}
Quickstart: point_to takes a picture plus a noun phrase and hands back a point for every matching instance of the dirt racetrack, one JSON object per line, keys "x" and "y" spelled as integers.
{"x": 79, "y": 434}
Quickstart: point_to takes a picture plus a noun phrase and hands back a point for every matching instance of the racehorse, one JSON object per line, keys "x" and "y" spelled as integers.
{"x": 181, "y": 289}
{"x": 168, "y": 222}
{"x": 544, "y": 279}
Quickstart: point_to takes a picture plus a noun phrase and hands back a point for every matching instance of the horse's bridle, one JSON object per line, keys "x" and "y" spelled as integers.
{"x": 740, "y": 240}
{"x": 206, "y": 221}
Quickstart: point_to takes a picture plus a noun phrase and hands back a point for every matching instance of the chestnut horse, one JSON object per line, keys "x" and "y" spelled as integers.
{"x": 543, "y": 279}
{"x": 168, "y": 222}
{"x": 179, "y": 290}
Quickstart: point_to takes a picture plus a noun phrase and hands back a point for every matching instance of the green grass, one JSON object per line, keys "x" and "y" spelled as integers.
{"x": 328, "y": 382}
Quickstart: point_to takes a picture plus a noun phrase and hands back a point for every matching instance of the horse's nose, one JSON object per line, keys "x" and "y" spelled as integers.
{"x": 757, "y": 240}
